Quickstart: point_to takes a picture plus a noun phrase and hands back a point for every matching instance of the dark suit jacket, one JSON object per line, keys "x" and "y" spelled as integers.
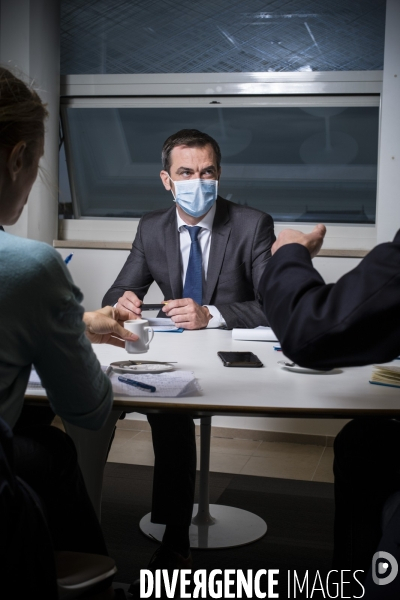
{"x": 355, "y": 321}
{"x": 240, "y": 249}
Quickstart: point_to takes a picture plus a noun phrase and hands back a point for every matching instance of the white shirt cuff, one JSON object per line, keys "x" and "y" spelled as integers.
{"x": 217, "y": 319}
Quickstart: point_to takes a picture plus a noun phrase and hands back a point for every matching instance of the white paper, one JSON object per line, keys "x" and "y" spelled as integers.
{"x": 160, "y": 321}
{"x": 260, "y": 334}
{"x": 161, "y": 324}
{"x": 34, "y": 381}
{"x": 174, "y": 384}
{"x": 168, "y": 385}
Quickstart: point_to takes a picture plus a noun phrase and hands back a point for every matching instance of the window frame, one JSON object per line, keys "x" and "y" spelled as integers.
{"x": 357, "y": 88}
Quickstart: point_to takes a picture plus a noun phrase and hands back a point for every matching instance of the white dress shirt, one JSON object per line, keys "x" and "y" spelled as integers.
{"x": 204, "y": 238}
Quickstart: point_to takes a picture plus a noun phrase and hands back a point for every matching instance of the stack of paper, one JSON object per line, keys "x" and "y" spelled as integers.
{"x": 386, "y": 376}
{"x": 161, "y": 324}
{"x": 260, "y": 334}
{"x": 174, "y": 384}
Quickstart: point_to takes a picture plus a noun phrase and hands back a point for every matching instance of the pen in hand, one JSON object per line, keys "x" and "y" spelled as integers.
{"x": 153, "y": 306}
{"x": 139, "y": 384}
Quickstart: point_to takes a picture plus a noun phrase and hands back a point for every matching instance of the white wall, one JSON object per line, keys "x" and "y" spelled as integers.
{"x": 30, "y": 47}
{"x": 94, "y": 271}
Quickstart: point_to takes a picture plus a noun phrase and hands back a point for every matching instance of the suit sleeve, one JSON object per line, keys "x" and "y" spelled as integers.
{"x": 134, "y": 275}
{"x": 250, "y": 314}
{"x": 353, "y": 322}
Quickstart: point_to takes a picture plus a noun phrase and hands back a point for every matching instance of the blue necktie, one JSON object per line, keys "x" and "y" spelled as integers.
{"x": 193, "y": 287}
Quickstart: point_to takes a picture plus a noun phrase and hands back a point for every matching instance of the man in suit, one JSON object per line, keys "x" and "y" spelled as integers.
{"x": 353, "y": 322}
{"x": 207, "y": 255}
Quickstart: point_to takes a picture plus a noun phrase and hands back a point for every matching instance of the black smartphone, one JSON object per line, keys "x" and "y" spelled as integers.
{"x": 240, "y": 359}
{"x": 152, "y": 306}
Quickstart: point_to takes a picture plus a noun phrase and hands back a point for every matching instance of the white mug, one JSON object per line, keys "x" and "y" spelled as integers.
{"x": 140, "y": 328}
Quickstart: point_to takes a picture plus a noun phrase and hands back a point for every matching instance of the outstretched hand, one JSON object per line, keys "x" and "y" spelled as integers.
{"x": 105, "y": 326}
{"x": 312, "y": 241}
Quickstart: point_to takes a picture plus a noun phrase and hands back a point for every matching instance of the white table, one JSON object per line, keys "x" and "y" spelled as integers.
{"x": 268, "y": 391}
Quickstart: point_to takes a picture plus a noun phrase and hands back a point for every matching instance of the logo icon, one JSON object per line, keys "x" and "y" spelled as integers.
{"x": 384, "y": 568}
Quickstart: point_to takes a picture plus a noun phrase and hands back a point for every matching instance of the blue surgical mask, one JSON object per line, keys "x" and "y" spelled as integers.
{"x": 195, "y": 196}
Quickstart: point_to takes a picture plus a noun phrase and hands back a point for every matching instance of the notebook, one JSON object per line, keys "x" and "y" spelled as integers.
{"x": 389, "y": 376}
{"x": 260, "y": 334}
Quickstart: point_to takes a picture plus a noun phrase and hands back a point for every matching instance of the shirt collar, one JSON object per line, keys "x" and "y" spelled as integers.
{"x": 205, "y": 223}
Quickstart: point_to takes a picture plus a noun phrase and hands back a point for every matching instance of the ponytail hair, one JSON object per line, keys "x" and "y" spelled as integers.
{"x": 22, "y": 114}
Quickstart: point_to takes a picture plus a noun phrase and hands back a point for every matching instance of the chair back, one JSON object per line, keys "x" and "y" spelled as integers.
{"x": 26, "y": 553}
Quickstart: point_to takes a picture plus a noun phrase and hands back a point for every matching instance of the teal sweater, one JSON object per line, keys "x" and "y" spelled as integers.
{"x": 41, "y": 325}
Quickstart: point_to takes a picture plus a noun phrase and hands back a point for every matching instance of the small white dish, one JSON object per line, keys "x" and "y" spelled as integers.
{"x": 138, "y": 366}
{"x": 290, "y": 366}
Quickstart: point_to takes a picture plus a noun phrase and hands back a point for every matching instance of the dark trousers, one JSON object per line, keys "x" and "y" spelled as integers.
{"x": 174, "y": 443}
{"x": 27, "y": 566}
{"x": 45, "y": 458}
{"x": 367, "y": 471}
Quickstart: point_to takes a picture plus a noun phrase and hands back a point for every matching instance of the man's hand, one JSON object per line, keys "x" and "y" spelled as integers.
{"x": 312, "y": 241}
{"x": 104, "y": 326}
{"x": 187, "y": 313}
{"x": 130, "y": 302}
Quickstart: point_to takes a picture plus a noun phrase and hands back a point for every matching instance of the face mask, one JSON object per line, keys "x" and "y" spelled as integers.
{"x": 195, "y": 196}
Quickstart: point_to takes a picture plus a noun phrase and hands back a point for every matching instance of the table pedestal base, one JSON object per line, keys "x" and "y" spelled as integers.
{"x": 231, "y": 527}
{"x": 213, "y": 525}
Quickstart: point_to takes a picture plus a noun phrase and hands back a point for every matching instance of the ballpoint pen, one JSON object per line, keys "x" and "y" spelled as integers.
{"x": 139, "y": 384}
{"x": 67, "y": 260}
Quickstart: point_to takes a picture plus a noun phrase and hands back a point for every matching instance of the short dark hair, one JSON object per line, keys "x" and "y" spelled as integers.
{"x": 191, "y": 138}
